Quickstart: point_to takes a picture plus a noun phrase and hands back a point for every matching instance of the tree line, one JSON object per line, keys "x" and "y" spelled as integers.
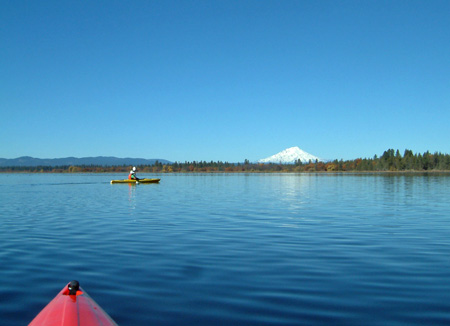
{"x": 391, "y": 160}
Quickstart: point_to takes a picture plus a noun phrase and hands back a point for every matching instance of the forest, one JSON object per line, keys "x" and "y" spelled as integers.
{"x": 391, "y": 161}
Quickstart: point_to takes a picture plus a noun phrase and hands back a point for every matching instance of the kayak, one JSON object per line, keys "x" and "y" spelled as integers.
{"x": 72, "y": 307}
{"x": 135, "y": 181}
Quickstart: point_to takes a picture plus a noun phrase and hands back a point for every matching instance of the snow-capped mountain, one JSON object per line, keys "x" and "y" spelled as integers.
{"x": 290, "y": 156}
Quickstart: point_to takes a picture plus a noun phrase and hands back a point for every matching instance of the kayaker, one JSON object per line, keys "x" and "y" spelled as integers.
{"x": 132, "y": 175}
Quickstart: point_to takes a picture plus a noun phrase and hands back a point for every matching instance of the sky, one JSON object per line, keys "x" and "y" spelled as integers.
{"x": 223, "y": 80}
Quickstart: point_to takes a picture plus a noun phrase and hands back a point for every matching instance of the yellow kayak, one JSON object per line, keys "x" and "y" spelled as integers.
{"x": 135, "y": 181}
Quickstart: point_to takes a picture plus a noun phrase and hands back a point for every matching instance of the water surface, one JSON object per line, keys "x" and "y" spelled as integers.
{"x": 230, "y": 249}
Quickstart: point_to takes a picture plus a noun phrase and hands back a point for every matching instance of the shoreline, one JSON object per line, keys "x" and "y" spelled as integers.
{"x": 238, "y": 172}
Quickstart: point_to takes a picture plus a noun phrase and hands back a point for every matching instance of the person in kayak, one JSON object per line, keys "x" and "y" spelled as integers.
{"x": 132, "y": 175}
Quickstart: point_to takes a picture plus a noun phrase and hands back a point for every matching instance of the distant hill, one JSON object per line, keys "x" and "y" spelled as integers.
{"x": 290, "y": 156}
{"x": 99, "y": 160}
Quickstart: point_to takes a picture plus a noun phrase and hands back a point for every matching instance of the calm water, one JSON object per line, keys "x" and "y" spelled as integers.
{"x": 230, "y": 249}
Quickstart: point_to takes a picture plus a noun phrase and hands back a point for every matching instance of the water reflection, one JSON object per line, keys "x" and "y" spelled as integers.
{"x": 132, "y": 195}
{"x": 292, "y": 190}
{"x": 412, "y": 190}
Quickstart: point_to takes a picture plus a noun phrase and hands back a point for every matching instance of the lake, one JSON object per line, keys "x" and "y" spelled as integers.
{"x": 230, "y": 249}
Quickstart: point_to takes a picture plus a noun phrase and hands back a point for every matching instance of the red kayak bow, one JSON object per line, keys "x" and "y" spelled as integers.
{"x": 72, "y": 307}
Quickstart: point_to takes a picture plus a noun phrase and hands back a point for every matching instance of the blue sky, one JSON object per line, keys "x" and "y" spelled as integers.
{"x": 223, "y": 80}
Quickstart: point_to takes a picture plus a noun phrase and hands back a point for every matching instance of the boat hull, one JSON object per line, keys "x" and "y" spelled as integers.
{"x": 134, "y": 181}
{"x": 72, "y": 310}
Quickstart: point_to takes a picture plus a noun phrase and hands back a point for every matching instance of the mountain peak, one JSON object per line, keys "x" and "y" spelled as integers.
{"x": 290, "y": 156}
